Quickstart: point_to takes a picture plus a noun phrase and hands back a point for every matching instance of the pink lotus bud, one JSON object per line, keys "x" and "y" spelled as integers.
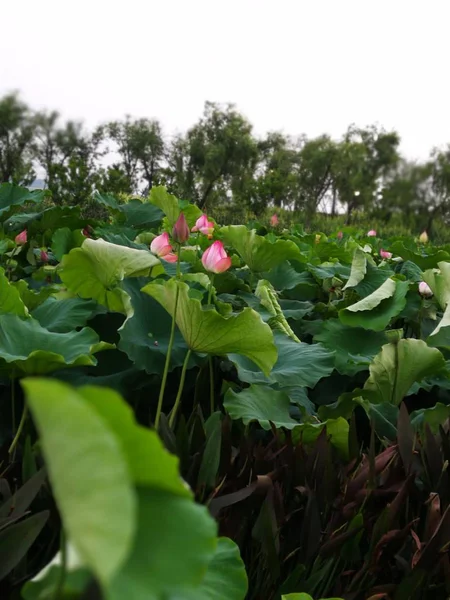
{"x": 425, "y": 290}
{"x": 171, "y": 257}
{"x": 274, "y": 220}
{"x": 385, "y": 254}
{"x": 340, "y": 235}
{"x": 21, "y": 238}
{"x": 161, "y": 245}
{"x": 372, "y": 233}
{"x": 215, "y": 259}
{"x": 180, "y": 231}
{"x": 204, "y": 226}
{"x": 44, "y": 256}
{"x": 85, "y": 232}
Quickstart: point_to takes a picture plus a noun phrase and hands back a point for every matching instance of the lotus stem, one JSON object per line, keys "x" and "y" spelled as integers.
{"x": 180, "y": 389}
{"x": 19, "y": 430}
{"x": 210, "y": 358}
{"x": 169, "y": 348}
{"x": 62, "y": 577}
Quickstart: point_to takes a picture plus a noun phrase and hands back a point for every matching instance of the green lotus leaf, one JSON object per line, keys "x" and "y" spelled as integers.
{"x": 259, "y": 253}
{"x": 149, "y": 463}
{"x": 96, "y": 269}
{"x": 225, "y": 578}
{"x": 10, "y": 300}
{"x": 65, "y": 315}
{"x": 14, "y": 195}
{"x": 424, "y": 261}
{"x": 173, "y": 547}
{"x": 64, "y": 240}
{"x": 355, "y": 347}
{"x": 399, "y": 365}
{"x": 376, "y": 310}
{"x": 440, "y": 283}
{"x": 262, "y": 404}
{"x": 359, "y": 269}
{"x": 298, "y": 364}
{"x": 89, "y": 475}
{"x": 205, "y": 330}
{"x": 33, "y": 350}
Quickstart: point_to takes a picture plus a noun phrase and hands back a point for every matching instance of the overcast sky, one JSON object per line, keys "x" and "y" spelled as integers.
{"x": 301, "y": 66}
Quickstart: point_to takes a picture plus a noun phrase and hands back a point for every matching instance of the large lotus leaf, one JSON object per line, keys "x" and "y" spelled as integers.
{"x": 96, "y": 269}
{"x": 35, "y": 351}
{"x": 225, "y": 578}
{"x": 258, "y": 252}
{"x": 434, "y": 417}
{"x": 373, "y": 279}
{"x": 424, "y": 261}
{"x": 48, "y": 220}
{"x": 166, "y": 202}
{"x": 64, "y": 240}
{"x": 399, "y": 365}
{"x": 64, "y": 315}
{"x": 89, "y": 475}
{"x": 440, "y": 283}
{"x": 355, "y": 348}
{"x": 262, "y": 404}
{"x": 376, "y": 310}
{"x": 205, "y": 330}
{"x": 174, "y": 545}
{"x": 440, "y": 336}
{"x": 149, "y": 462}
{"x": 359, "y": 269}
{"x": 141, "y": 214}
{"x": 410, "y": 270}
{"x": 14, "y": 195}
{"x": 285, "y": 277}
{"x": 144, "y": 336}
{"x": 10, "y": 300}
{"x": 298, "y": 364}
{"x": 32, "y": 298}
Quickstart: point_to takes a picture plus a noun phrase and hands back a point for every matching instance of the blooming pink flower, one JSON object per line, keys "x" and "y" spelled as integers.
{"x": 21, "y": 238}
{"x": 204, "y": 226}
{"x": 340, "y": 235}
{"x": 44, "y": 256}
{"x": 171, "y": 257}
{"x": 215, "y": 259}
{"x": 274, "y": 220}
{"x": 372, "y": 233}
{"x": 161, "y": 245}
{"x": 181, "y": 231}
{"x": 385, "y": 254}
{"x": 425, "y": 290}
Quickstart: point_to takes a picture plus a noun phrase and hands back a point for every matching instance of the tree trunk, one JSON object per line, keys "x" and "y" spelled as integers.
{"x": 334, "y": 203}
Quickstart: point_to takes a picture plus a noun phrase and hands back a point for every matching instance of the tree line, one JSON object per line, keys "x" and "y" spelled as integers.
{"x": 219, "y": 162}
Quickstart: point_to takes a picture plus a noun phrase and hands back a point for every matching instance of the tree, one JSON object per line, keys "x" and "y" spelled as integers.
{"x": 363, "y": 160}
{"x": 17, "y": 130}
{"x": 68, "y": 155}
{"x": 141, "y": 148}
{"x": 213, "y": 156}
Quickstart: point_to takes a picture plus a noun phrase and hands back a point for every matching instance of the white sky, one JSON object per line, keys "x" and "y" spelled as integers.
{"x": 301, "y": 66}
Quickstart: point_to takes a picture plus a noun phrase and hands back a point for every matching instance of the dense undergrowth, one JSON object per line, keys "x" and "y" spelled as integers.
{"x": 226, "y": 413}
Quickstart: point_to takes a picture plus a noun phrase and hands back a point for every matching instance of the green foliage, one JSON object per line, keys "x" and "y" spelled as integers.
{"x": 216, "y": 437}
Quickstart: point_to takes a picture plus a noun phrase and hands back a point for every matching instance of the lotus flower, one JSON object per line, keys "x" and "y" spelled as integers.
{"x": 423, "y": 237}
{"x": 215, "y": 259}
{"x": 180, "y": 232}
{"x": 204, "y": 226}
{"x": 385, "y": 254}
{"x": 21, "y": 238}
{"x": 425, "y": 290}
{"x": 85, "y": 232}
{"x": 274, "y": 220}
{"x": 161, "y": 245}
{"x": 372, "y": 233}
{"x": 171, "y": 257}
{"x": 44, "y": 256}
{"x": 340, "y": 235}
